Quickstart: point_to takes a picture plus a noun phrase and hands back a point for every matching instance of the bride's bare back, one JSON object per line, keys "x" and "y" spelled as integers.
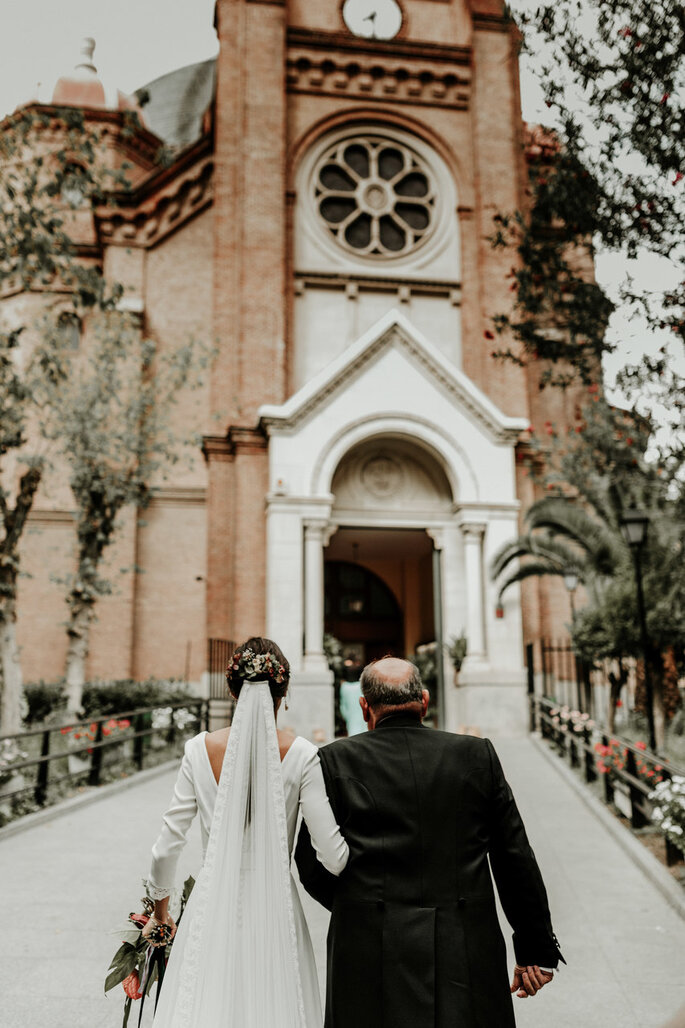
{"x": 216, "y": 743}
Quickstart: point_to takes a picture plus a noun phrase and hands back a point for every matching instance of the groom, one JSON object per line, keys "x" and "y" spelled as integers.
{"x": 414, "y": 940}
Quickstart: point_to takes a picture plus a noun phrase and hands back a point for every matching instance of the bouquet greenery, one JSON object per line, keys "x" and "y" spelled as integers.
{"x": 137, "y": 965}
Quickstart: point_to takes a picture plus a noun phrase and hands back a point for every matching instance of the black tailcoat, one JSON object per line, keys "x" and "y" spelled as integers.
{"x": 414, "y": 940}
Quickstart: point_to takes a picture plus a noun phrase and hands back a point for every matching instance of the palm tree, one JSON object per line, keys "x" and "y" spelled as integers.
{"x": 563, "y": 538}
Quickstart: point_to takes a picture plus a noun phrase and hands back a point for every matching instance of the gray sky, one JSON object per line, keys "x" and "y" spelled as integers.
{"x": 138, "y": 40}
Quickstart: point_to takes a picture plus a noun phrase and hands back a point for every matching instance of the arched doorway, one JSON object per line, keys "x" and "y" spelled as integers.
{"x": 361, "y": 612}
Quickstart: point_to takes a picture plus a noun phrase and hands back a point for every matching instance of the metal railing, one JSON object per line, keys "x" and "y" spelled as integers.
{"x": 219, "y": 652}
{"x": 624, "y": 767}
{"x": 103, "y": 733}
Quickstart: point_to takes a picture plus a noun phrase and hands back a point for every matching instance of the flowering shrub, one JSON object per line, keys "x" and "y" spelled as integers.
{"x": 571, "y": 720}
{"x": 183, "y": 718}
{"x": 668, "y": 812}
{"x": 10, "y": 754}
{"x": 79, "y": 734}
{"x": 614, "y": 757}
{"x": 163, "y": 717}
{"x": 611, "y": 757}
{"x": 650, "y": 773}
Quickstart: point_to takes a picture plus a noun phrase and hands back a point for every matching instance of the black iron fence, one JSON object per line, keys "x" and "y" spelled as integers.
{"x": 219, "y": 652}
{"x": 555, "y": 671}
{"x": 628, "y": 771}
{"x": 78, "y": 752}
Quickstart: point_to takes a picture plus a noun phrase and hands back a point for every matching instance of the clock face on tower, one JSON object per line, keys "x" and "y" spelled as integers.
{"x": 373, "y": 19}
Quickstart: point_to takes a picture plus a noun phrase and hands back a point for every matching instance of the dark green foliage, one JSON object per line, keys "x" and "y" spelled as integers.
{"x": 609, "y": 176}
{"x": 122, "y": 695}
{"x": 43, "y": 700}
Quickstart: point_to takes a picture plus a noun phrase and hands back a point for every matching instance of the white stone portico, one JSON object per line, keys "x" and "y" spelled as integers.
{"x": 393, "y": 387}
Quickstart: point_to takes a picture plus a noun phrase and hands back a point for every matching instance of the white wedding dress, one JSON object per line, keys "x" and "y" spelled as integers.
{"x": 242, "y": 956}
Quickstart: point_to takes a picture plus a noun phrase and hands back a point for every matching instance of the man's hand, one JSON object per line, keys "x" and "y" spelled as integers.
{"x": 529, "y": 980}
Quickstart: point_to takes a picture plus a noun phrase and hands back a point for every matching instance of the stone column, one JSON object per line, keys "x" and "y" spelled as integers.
{"x": 475, "y": 593}
{"x": 316, "y": 534}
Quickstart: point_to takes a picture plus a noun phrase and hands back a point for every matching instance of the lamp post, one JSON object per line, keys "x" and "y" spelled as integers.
{"x": 634, "y": 524}
{"x": 571, "y": 583}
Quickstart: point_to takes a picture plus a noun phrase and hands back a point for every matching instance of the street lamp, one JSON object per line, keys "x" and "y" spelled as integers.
{"x": 634, "y": 524}
{"x": 571, "y": 583}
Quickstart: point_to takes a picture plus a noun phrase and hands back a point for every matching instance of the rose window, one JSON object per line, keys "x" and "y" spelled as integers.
{"x": 375, "y": 196}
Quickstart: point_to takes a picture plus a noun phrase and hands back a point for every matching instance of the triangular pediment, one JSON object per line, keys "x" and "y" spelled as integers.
{"x": 392, "y": 332}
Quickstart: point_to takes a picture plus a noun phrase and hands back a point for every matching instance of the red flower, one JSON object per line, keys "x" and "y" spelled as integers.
{"x": 139, "y": 920}
{"x": 65, "y": 731}
{"x": 106, "y": 731}
{"x": 619, "y": 703}
{"x": 640, "y": 745}
{"x": 488, "y": 334}
{"x": 626, "y": 32}
{"x": 77, "y": 735}
{"x": 678, "y": 176}
{"x": 131, "y": 985}
{"x": 593, "y": 388}
{"x": 124, "y": 723}
{"x": 93, "y": 726}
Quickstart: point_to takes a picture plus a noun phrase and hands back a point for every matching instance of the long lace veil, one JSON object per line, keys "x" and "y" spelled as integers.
{"x": 234, "y": 961}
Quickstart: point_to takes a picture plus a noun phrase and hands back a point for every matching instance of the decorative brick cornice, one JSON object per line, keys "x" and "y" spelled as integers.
{"x": 216, "y": 447}
{"x": 237, "y": 441}
{"x": 247, "y": 440}
{"x": 159, "y": 207}
{"x": 334, "y": 64}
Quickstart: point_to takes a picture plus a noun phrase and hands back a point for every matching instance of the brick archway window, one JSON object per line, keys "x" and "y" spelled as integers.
{"x": 375, "y": 195}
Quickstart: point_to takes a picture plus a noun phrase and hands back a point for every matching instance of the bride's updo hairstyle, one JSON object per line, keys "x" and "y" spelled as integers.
{"x": 258, "y": 660}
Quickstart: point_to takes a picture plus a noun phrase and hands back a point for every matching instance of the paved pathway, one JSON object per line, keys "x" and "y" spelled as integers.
{"x": 67, "y": 882}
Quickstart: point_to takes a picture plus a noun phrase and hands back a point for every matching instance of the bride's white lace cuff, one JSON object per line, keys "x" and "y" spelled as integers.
{"x": 154, "y": 892}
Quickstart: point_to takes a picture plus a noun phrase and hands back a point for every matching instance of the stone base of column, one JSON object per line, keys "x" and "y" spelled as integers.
{"x": 311, "y": 701}
{"x": 219, "y": 714}
{"x": 488, "y": 702}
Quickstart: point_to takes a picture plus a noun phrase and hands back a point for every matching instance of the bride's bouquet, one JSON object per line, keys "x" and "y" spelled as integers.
{"x": 137, "y": 965}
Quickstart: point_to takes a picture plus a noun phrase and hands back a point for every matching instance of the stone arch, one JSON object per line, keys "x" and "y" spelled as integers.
{"x": 419, "y": 432}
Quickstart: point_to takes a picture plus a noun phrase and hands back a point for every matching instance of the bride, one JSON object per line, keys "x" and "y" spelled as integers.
{"x": 243, "y": 955}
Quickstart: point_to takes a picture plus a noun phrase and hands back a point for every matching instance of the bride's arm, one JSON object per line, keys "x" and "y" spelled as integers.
{"x": 171, "y": 840}
{"x": 330, "y": 846}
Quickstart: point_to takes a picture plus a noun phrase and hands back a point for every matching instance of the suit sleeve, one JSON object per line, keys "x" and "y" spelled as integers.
{"x": 319, "y": 883}
{"x": 517, "y": 876}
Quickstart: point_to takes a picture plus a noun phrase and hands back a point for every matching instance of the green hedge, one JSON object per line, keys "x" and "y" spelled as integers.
{"x": 126, "y": 694}
{"x": 47, "y": 700}
{"x": 44, "y": 699}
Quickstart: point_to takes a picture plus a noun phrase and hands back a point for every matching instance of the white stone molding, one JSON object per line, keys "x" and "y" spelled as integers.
{"x": 393, "y": 330}
{"x": 474, "y": 533}
{"x": 316, "y": 535}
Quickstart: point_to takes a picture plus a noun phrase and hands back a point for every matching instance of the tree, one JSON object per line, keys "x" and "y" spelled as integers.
{"x": 112, "y": 426}
{"x": 594, "y": 469}
{"x": 610, "y": 175}
{"x": 38, "y": 261}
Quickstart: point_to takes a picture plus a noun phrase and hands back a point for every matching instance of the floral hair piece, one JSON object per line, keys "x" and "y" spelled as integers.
{"x": 251, "y": 665}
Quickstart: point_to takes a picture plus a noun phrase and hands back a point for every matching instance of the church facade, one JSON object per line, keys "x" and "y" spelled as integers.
{"x": 325, "y": 224}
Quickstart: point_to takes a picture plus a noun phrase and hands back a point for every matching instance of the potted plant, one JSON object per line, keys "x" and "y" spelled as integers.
{"x": 456, "y": 651}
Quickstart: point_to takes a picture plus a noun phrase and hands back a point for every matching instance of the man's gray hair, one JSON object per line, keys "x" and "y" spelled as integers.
{"x": 379, "y": 693}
